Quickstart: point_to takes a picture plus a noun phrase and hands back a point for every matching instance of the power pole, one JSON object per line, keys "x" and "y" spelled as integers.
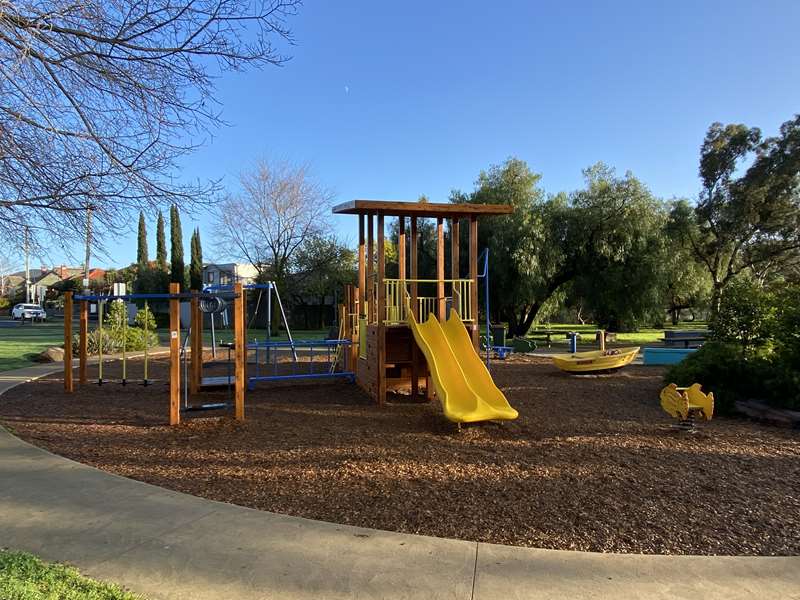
{"x": 88, "y": 248}
{"x": 27, "y": 270}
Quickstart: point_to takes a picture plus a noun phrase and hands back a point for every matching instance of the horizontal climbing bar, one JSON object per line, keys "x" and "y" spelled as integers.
{"x": 347, "y": 374}
{"x": 299, "y": 344}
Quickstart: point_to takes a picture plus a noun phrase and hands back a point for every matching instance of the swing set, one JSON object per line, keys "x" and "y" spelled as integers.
{"x": 186, "y": 352}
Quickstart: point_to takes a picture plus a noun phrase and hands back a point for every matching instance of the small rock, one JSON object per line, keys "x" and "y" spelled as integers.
{"x": 52, "y": 354}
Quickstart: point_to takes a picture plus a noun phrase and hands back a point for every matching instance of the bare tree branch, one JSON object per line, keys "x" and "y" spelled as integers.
{"x": 99, "y": 99}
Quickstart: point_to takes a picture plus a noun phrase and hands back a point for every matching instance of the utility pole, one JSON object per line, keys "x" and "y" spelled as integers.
{"x": 88, "y": 249}
{"x": 27, "y": 270}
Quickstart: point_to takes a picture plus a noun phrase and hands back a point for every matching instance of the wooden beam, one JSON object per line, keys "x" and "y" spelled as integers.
{"x": 401, "y": 251}
{"x": 381, "y": 314}
{"x": 83, "y": 342}
{"x": 174, "y": 356}
{"x": 440, "y": 302}
{"x": 362, "y": 273}
{"x": 370, "y": 258}
{"x": 414, "y": 276}
{"x": 473, "y": 275}
{"x": 391, "y": 208}
{"x": 240, "y": 350}
{"x": 68, "y": 385}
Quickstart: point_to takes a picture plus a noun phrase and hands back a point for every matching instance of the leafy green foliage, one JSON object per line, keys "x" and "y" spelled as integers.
{"x": 196, "y": 264}
{"x": 756, "y": 351}
{"x": 748, "y": 221}
{"x": 161, "y": 244}
{"x": 145, "y": 319}
{"x": 719, "y": 367}
{"x": 23, "y": 576}
{"x": 141, "y": 245}
{"x": 745, "y": 316}
{"x": 622, "y": 249}
{"x": 176, "y": 272}
{"x": 687, "y": 281}
{"x": 322, "y": 267}
{"x": 117, "y": 335}
{"x": 526, "y": 266}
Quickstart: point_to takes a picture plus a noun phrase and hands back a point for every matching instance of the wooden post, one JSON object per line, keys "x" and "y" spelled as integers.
{"x": 83, "y": 342}
{"x": 362, "y": 273}
{"x": 68, "y": 385}
{"x": 454, "y": 249}
{"x": 401, "y": 253}
{"x": 194, "y": 382}
{"x": 174, "y": 355}
{"x": 370, "y": 269}
{"x": 440, "y": 303}
{"x": 381, "y": 314}
{"x": 240, "y": 350}
{"x": 473, "y": 275}
{"x": 454, "y": 266}
{"x": 414, "y": 348}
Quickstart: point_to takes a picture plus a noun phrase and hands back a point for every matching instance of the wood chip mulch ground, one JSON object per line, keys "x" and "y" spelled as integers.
{"x": 591, "y": 463}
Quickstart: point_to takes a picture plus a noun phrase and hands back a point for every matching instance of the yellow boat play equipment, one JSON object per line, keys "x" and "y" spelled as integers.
{"x": 460, "y": 378}
{"x": 688, "y": 404}
{"x": 595, "y": 360}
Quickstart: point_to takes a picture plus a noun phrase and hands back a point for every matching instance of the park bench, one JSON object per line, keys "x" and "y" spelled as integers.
{"x": 685, "y": 339}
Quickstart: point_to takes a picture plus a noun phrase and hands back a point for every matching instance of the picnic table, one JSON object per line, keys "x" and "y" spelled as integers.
{"x": 546, "y": 334}
{"x": 684, "y": 338}
{"x": 686, "y": 341}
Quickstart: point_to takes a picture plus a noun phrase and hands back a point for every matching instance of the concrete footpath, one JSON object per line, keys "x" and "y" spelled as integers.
{"x": 164, "y": 544}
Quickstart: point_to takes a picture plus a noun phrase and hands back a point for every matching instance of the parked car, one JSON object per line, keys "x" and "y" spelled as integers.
{"x": 32, "y": 312}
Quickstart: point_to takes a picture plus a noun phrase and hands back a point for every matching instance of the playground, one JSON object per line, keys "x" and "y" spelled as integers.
{"x": 591, "y": 463}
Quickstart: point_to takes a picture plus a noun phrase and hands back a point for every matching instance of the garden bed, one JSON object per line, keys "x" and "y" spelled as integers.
{"x": 591, "y": 463}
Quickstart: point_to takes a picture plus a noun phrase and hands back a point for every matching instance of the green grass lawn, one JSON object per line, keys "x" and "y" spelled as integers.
{"x": 23, "y": 576}
{"x": 643, "y": 337}
{"x": 20, "y": 344}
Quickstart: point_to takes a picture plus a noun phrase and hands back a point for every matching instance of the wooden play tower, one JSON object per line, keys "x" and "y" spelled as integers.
{"x": 388, "y": 358}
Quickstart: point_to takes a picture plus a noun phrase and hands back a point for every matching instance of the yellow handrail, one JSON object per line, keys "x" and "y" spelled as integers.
{"x": 397, "y": 292}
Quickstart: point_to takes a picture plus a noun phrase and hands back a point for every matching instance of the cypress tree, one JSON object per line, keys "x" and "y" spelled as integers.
{"x": 141, "y": 249}
{"x": 161, "y": 244}
{"x": 196, "y": 265}
{"x": 177, "y": 271}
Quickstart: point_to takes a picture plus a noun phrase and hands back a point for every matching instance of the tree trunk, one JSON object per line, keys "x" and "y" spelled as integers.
{"x": 716, "y": 298}
{"x": 676, "y": 315}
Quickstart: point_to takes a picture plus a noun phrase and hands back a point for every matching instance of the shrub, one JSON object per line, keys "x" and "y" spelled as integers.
{"x": 720, "y": 368}
{"x": 145, "y": 319}
{"x": 117, "y": 334}
{"x": 745, "y": 317}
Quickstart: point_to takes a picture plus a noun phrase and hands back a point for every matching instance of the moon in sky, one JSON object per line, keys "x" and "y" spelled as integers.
{"x": 347, "y": 89}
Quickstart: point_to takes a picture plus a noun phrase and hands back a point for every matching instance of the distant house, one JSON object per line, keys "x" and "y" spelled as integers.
{"x": 44, "y": 278}
{"x": 228, "y": 273}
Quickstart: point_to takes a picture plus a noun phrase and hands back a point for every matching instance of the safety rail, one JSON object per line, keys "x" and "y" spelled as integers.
{"x": 299, "y": 369}
{"x": 397, "y": 290}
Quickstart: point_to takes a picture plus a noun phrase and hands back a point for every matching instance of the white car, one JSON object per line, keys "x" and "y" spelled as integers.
{"x": 32, "y": 312}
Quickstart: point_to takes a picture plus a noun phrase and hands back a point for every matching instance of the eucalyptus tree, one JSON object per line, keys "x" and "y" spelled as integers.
{"x": 748, "y": 214}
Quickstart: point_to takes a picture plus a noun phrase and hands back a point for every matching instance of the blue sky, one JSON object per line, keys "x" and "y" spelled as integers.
{"x": 391, "y": 100}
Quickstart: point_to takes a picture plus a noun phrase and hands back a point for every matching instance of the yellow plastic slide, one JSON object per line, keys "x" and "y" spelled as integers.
{"x": 461, "y": 380}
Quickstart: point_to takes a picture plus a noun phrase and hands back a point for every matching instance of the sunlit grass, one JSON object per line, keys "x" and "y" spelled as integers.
{"x": 19, "y": 344}
{"x": 23, "y": 576}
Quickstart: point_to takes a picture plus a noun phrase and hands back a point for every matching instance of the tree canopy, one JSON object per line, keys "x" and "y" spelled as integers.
{"x": 748, "y": 213}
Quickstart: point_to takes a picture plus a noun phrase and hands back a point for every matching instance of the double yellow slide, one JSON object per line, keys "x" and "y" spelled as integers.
{"x": 460, "y": 378}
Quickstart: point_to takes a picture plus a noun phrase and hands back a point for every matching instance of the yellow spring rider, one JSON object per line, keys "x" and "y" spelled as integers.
{"x": 687, "y": 404}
